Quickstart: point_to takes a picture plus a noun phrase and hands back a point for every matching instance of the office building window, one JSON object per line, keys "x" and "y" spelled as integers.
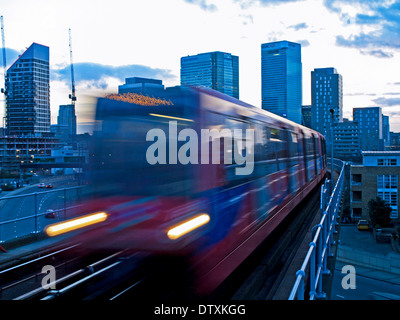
{"x": 387, "y": 162}
{"x": 386, "y": 181}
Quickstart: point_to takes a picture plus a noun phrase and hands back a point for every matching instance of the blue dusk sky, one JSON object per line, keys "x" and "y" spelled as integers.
{"x": 113, "y": 40}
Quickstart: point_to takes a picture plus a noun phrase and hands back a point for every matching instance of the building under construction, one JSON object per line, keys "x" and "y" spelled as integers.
{"x": 28, "y": 93}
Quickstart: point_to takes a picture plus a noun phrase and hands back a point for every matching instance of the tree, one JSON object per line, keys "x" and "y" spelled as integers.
{"x": 379, "y": 212}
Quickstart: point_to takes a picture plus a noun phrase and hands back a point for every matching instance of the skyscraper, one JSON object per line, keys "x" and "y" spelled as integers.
{"x": 215, "y": 70}
{"x": 370, "y": 128}
{"x": 281, "y": 79}
{"x": 67, "y": 117}
{"x": 28, "y": 92}
{"x": 326, "y": 94}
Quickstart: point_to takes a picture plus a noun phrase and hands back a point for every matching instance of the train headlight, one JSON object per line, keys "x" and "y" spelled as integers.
{"x": 187, "y": 226}
{"x": 74, "y": 224}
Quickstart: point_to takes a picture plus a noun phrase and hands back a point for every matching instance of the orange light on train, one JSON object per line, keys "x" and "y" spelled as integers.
{"x": 188, "y": 226}
{"x": 74, "y": 224}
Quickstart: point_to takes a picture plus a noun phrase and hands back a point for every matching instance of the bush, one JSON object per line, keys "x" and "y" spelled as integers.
{"x": 379, "y": 212}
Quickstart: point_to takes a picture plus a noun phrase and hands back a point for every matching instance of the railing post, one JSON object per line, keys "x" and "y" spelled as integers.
{"x": 313, "y": 269}
{"x": 65, "y": 204}
{"x": 36, "y": 212}
{"x": 300, "y": 291}
{"x": 320, "y": 293}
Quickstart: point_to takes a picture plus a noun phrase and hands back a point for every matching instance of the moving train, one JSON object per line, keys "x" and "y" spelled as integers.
{"x": 197, "y": 174}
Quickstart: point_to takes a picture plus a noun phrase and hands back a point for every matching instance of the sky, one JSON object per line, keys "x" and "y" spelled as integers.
{"x": 114, "y": 40}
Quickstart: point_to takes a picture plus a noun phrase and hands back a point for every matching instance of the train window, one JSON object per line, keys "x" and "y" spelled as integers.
{"x": 241, "y": 145}
{"x": 260, "y": 150}
{"x": 121, "y": 160}
{"x": 283, "y": 146}
{"x": 271, "y": 162}
{"x": 310, "y": 151}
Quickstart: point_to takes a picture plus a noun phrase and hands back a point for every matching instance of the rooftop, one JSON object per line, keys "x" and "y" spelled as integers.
{"x": 379, "y": 153}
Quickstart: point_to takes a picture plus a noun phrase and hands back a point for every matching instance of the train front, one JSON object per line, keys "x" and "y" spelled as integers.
{"x": 137, "y": 178}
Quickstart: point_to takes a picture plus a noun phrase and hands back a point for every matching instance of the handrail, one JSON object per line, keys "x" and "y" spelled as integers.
{"x": 37, "y": 214}
{"x": 320, "y": 247}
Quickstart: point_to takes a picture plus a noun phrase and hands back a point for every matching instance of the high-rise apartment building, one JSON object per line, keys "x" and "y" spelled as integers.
{"x": 28, "y": 93}
{"x": 215, "y": 70}
{"x": 370, "y": 128}
{"x": 326, "y": 94}
{"x": 281, "y": 79}
{"x": 346, "y": 144}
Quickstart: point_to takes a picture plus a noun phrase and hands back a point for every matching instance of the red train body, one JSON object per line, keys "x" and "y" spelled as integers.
{"x": 228, "y": 215}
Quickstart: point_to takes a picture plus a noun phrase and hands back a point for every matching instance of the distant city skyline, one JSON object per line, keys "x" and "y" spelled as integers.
{"x": 114, "y": 40}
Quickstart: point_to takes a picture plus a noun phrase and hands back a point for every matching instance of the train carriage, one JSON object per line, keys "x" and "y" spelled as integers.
{"x": 202, "y": 209}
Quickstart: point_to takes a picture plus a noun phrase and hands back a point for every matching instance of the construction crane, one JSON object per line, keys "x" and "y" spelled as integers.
{"x": 3, "y": 43}
{"x": 72, "y": 95}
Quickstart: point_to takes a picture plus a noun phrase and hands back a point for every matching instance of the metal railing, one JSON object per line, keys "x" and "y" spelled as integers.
{"x": 29, "y": 211}
{"x": 320, "y": 247}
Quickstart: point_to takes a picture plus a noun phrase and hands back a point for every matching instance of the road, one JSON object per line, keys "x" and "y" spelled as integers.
{"x": 25, "y": 206}
{"x": 366, "y": 288}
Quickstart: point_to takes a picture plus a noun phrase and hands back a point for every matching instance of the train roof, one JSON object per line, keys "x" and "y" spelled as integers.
{"x": 283, "y": 121}
{"x": 183, "y": 97}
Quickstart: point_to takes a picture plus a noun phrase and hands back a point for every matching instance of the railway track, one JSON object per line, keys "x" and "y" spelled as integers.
{"x": 77, "y": 273}
{"x": 259, "y": 277}
{"x": 119, "y": 275}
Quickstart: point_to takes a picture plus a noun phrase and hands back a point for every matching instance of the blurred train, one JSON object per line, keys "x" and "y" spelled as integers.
{"x": 205, "y": 212}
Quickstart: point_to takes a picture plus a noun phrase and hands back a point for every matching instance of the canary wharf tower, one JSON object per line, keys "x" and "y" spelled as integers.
{"x": 281, "y": 79}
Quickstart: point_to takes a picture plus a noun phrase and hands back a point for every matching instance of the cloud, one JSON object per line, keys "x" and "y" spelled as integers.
{"x": 299, "y": 26}
{"x": 247, "y": 19}
{"x": 248, "y": 3}
{"x": 387, "y": 102}
{"x": 203, "y": 5}
{"x": 96, "y": 75}
{"x": 304, "y": 43}
{"x": 360, "y": 94}
{"x": 382, "y": 19}
{"x": 11, "y": 56}
{"x": 377, "y": 53}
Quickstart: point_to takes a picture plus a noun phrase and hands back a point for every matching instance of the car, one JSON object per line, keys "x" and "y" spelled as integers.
{"x": 50, "y": 214}
{"x": 49, "y": 186}
{"x": 363, "y": 225}
{"x": 41, "y": 185}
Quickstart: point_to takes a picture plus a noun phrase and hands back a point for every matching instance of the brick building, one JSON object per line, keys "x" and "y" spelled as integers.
{"x": 377, "y": 176}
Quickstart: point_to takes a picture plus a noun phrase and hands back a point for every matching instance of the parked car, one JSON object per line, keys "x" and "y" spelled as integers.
{"x": 41, "y": 185}
{"x": 50, "y": 214}
{"x": 363, "y": 225}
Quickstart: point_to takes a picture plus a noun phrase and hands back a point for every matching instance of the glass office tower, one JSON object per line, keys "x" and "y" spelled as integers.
{"x": 215, "y": 70}
{"x": 28, "y": 93}
{"x": 281, "y": 79}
